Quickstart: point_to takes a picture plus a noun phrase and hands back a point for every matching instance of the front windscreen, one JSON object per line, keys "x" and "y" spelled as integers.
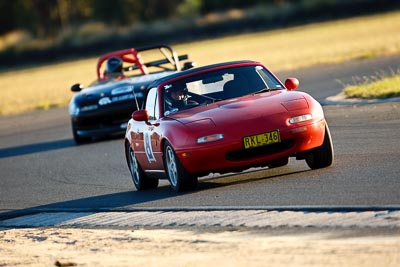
{"x": 217, "y": 85}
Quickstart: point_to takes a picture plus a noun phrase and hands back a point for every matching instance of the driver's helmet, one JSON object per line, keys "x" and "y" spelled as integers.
{"x": 114, "y": 65}
{"x": 176, "y": 97}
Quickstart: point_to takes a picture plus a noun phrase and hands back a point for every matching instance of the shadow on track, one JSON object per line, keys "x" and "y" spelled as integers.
{"x": 35, "y": 148}
{"x": 228, "y": 180}
{"x": 49, "y": 146}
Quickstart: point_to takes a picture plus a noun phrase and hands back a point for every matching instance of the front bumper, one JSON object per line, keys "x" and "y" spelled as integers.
{"x": 230, "y": 156}
{"x": 104, "y": 122}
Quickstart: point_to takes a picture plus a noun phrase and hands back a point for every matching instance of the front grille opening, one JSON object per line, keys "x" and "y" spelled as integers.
{"x": 104, "y": 121}
{"x": 243, "y": 154}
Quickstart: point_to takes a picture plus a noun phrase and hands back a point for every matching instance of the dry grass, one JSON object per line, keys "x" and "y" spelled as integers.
{"x": 297, "y": 47}
{"x": 381, "y": 85}
{"x": 291, "y": 48}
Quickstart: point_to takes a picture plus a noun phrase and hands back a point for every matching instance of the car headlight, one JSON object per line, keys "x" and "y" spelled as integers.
{"x": 73, "y": 109}
{"x": 210, "y": 138}
{"x": 301, "y": 118}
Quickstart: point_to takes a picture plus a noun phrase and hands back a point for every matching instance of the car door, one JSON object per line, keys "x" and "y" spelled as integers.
{"x": 151, "y": 137}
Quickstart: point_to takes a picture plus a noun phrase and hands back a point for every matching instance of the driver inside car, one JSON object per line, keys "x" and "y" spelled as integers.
{"x": 114, "y": 69}
{"x": 178, "y": 99}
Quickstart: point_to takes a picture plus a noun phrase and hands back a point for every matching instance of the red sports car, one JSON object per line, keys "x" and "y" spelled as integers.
{"x": 221, "y": 118}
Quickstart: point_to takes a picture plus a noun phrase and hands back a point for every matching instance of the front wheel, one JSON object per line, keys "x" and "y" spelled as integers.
{"x": 179, "y": 178}
{"x": 278, "y": 163}
{"x": 79, "y": 139}
{"x": 139, "y": 178}
{"x": 322, "y": 156}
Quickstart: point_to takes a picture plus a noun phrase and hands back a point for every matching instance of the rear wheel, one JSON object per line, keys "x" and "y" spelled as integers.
{"x": 179, "y": 178}
{"x": 139, "y": 178}
{"x": 322, "y": 156}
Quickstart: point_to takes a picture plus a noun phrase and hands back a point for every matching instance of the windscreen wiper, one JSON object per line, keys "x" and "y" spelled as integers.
{"x": 267, "y": 90}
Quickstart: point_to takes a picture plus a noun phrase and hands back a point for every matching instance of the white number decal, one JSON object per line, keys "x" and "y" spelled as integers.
{"x": 147, "y": 147}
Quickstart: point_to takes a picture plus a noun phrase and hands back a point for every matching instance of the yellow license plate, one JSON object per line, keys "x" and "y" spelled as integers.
{"x": 261, "y": 139}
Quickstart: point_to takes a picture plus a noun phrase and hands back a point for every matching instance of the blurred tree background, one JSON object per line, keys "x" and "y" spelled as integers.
{"x": 39, "y": 30}
{"x": 45, "y": 18}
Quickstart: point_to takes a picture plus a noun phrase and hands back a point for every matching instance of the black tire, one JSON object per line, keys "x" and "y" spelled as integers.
{"x": 139, "y": 178}
{"x": 79, "y": 139}
{"x": 278, "y": 163}
{"x": 323, "y": 156}
{"x": 179, "y": 178}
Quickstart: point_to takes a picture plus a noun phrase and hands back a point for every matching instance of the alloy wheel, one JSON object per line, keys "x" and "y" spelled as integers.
{"x": 171, "y": 166}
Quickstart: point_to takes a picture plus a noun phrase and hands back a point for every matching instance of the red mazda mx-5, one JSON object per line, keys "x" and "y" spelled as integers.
{"x": 221, "y": 118}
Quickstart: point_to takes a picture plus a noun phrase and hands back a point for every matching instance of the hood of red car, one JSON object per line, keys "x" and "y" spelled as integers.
{"x": 247, "y": 110}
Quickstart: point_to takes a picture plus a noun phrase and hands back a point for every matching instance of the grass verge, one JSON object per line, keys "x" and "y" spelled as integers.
{"x": 381, "y": 85}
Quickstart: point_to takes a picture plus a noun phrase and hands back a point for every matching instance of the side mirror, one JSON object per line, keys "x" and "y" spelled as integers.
{"x": 291, "y": 83}
{"x": 140, "y": 115}
{"x": 77, "y": 87}
{"x": 189, "y": 65}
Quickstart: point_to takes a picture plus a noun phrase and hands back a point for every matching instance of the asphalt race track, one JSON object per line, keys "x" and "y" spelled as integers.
{"x": 41, "y": 168}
